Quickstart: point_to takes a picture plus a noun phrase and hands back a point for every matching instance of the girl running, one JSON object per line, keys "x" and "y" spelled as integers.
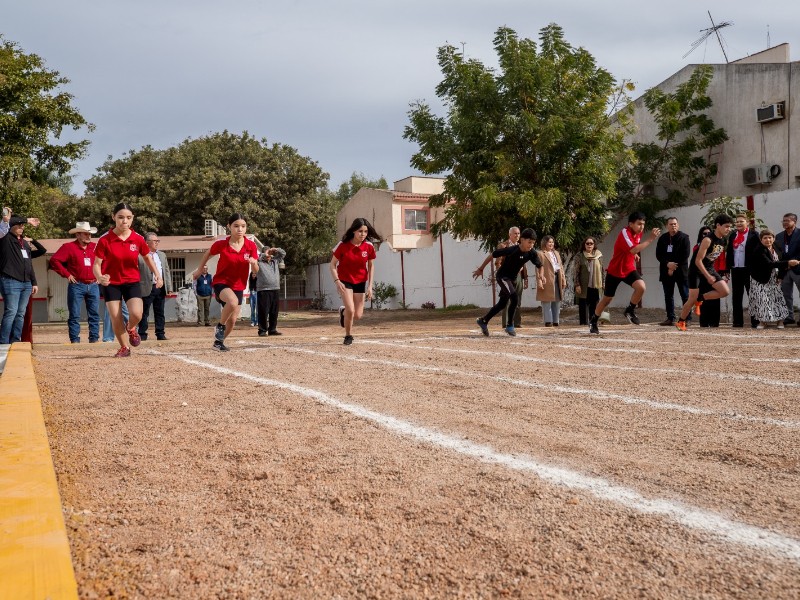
{"x": 353, "y": 272}
{"x": 238, "y": 259}
{"x": 116, "y": 268}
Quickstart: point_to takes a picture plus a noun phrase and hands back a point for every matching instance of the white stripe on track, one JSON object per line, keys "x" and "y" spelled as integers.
{"x": 560, "y": 389}
{"x": 716, "y": 525}
{"x": 588, "y": 365}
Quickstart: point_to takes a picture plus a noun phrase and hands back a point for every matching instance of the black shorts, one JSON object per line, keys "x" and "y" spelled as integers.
{"x": 697, "y": 280}
{"x": 218, "y": 290}
{"x": 123, "y": 291}
{"x": 612, "y": 283}
{"x": 358, "y": 288}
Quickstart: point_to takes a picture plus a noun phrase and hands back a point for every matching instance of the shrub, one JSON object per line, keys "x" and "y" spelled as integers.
{"x": 382, "y": 293}
{"x": 428, "y": 305}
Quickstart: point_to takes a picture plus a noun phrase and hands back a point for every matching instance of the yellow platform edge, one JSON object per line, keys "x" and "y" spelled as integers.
{"x": 35, "y": 560}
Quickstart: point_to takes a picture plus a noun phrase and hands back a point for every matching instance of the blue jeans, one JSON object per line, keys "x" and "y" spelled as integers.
{"x": 254, "y": 308}
{"x": 108, "y": 328}
{"x": 88, "y": 293}
{"x": 15, "y": 297}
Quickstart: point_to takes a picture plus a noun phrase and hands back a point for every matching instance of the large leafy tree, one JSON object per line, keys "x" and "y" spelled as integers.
{"x": 664, "y": 174}
{"x": 34, "y": 114}
{"x": 173, "y": 191}
{"x": 349, "y": 188}
{"x": 528, "y": 143}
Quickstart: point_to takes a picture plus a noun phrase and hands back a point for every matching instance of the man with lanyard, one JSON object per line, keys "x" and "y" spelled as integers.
{"x": 788, "y": 242}
{"x": 622, "y": 268}
{"x": 740, "y": 244}
{"x": 158, "y": 295}
{"x": 73, "y": 261}
{"x": 520, "y": 282}
{"x": 672, "y": 252}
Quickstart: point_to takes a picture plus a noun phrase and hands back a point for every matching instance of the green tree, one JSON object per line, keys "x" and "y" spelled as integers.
{"x": 528, "y": 144}
{"x": 357, "y": 181}
{"x": 173, "y": 191}
{"x": 664, "y": 174}
{"x": 33, "y": 117}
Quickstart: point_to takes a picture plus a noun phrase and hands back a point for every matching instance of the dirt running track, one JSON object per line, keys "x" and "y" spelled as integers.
{"x": 428, "y": 461}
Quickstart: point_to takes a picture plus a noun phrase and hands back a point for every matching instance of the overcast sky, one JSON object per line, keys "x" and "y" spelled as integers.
{"x": 332, "y": 78}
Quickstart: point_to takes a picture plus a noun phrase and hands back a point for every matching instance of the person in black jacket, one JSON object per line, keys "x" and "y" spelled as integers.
{"x": 766, "y": 270}
{"x": 672, "y": 252}
{"x": 17, "y": 277}
{"x": 740, "y": 246}
{"x": 788, "y": 243}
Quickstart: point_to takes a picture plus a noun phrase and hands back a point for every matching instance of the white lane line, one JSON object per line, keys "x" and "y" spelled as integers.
{"x": 712, "y": 523}
{"x": 560, "y": 389}
{"x": 577, "y": 346}
{"x": 588, "y": 365}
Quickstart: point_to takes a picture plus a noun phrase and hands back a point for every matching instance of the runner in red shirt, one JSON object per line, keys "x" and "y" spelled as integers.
{"x": 238, "y": 258}
{"x": 116, "y": 269}
{"x": 622, "y": 268}
{"x": 353, "y": 272}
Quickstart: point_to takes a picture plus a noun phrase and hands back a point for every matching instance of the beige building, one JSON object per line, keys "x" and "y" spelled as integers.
{"x": 753, "y": 101}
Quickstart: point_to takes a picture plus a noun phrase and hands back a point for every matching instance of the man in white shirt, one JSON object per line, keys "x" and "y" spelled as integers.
{"x": 158, "y": 296}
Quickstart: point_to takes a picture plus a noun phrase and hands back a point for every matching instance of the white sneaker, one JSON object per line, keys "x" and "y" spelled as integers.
{"x": 760, "y": 326}
{"x": 781, "y": 325}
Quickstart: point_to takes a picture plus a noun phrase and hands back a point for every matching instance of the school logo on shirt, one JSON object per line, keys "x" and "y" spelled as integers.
{"x": 133, "y": 248}
{"x": 247, "y": 256}
{"x": 364, "y": 254}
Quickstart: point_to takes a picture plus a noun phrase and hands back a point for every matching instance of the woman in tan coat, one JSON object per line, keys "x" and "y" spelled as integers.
{"x": 552, "y": 283}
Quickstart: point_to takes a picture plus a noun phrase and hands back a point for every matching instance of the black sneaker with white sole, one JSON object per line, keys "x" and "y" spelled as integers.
{"x": 593, "y": 325}
{"x": 219, "y": 332}
{"x": 483, "y": 325}
{"x": 348, "y": 339}
{"x": 218, "y": 345}
{"x": 630, "y": 314}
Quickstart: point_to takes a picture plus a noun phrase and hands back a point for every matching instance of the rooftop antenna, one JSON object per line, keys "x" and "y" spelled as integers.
{"x": 463, "y": 44}
{"x": 768, "y": 42}
{"x": 707, "y": 33}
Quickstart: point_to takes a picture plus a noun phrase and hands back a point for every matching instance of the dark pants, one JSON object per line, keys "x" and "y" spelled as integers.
{"x": 740, "y": 283}
{"x": 587, "y": 306}
{"x": 157, "y": 298}
{"x": 508, "y": 295}
{"x": 518, "y": 313}
{"x": 669, "y": 283}
{"x": 267, "y": 310}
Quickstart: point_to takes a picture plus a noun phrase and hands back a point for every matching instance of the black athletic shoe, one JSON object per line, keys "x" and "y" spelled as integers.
{"x": 274, "y": 332}
{"x": 341, "y": 316}
{"x": 348, "y": 339}
{"x": 219, "y": 332}
{"x": 262, "y": 334}
{"x": 593, "y": 325}
{"x": 630, "y": 314}
{"x": 484, "y": 326}
{"x": 218, "y": 345}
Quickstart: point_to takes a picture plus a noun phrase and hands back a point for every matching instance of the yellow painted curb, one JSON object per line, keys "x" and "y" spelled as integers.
{"x": 35, "y": 560}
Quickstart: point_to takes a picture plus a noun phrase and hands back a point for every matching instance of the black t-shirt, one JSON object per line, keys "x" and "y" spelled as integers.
{"x": 513, "y": 259}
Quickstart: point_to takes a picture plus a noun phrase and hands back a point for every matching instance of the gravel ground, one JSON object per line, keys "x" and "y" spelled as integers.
{"x": 428, "y": 461}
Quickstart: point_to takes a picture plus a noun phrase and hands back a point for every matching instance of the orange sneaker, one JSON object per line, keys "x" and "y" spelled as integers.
{"x": 681, "y": 325}
{"x": 697, "y": 306}
{"x": 123, "y": 353}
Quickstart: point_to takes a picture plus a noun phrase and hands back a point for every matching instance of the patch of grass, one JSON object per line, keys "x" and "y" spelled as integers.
{"x": 454, "y": 307}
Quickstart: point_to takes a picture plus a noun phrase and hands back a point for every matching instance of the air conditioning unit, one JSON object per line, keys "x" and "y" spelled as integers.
{"x": 210, "y": 229}
{"x": 772, "y": 112}
{"x": 760, "y": 174}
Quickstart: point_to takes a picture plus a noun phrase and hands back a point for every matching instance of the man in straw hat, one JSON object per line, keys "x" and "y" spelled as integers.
{"x": 73, "y": 261}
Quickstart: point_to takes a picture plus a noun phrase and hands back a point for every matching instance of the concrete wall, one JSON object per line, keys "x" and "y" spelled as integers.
{"x": 737, "y": 90}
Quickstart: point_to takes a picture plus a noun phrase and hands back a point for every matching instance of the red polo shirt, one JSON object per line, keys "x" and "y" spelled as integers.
{"x": 233, "y": 268}
{"x": 73, "y": 260}
{"x": 352, "y": 265}
{"x": 622, "y": 261}
{"x": 121, "y": 257}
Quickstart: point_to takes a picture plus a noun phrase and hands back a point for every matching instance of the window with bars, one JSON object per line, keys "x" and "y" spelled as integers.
{"x": 415, "y": 219}
{"x": 177, "y": 267}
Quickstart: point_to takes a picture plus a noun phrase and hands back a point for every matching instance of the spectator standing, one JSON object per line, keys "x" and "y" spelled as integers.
{"x": 238, "y": 258}
{"x": 672, "y": 253}
{"x": 73, "y": 261}
{"x": 552, "y": 282}
{"x": 788, "y": 242}
{"x": 767, "y": 301}
{"x": 17, "y": 277}
{"x": 253, "y": 300}
{"x": 157, "y": 297}
{"x": 740, "y": 245}
{"x": 588, "y": 279}
{"x": 203, "y": 290}
{"x": 268, "y": 284}
{"x": 622, "y": 269}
